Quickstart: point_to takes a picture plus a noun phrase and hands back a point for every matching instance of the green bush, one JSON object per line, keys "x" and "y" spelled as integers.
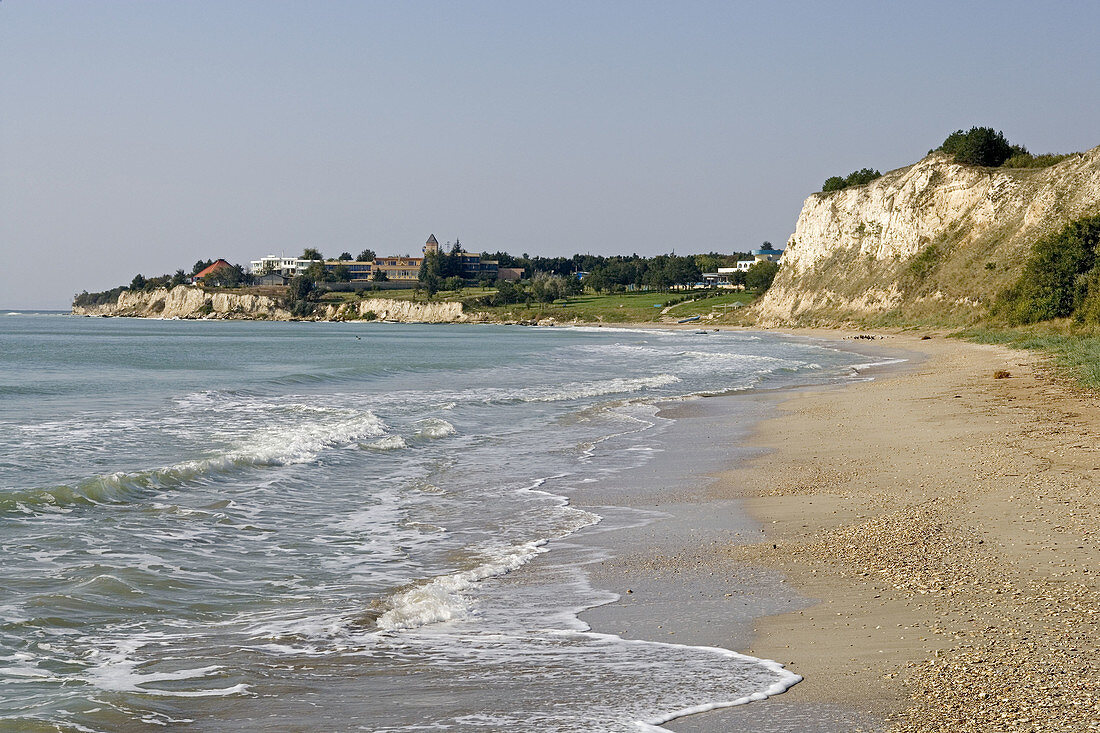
{"x": 855, "y": 178}
{"x": 1027, "y": 160}
{"x": 980, "y": 146}
{"x": 760, "y": 276}
{"x": 104, "y": 298}
{"x": 1061, "y": 279}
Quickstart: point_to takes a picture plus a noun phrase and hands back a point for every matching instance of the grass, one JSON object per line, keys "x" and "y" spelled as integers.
{"x": 1076, "y": 355}
{"x": 636, "y": 307}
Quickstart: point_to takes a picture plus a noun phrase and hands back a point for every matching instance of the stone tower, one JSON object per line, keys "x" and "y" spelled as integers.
{"x": 432, "y": 245}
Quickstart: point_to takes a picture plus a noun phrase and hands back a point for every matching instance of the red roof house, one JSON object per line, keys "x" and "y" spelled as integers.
{"x": 207, "y": 270}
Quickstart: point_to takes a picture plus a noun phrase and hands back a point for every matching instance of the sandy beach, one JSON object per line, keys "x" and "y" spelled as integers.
{"x": 938, "y": 526}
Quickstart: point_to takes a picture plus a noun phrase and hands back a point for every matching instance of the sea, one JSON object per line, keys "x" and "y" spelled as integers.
{"x": 257, "y": 526}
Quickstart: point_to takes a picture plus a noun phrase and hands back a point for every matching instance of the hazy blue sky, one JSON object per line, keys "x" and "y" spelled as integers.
{"x": 142, "y": 136}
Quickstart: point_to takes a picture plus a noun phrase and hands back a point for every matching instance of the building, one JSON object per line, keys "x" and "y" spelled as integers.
{"x": 401, "y": 269}
{"x": 208, "y": 270}
{"x": 766, "y": 255}
{"x": 286, "y": 266}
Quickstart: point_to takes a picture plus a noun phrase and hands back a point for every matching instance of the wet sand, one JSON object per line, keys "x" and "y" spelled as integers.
{"x": 928, "y": 559}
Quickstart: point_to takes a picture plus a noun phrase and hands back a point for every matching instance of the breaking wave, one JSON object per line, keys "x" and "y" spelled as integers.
{"x": 269, "y": 447}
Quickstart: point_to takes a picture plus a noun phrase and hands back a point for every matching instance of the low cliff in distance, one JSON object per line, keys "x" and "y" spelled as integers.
{"x": 933, "y": 241}
{"x": 189, "y": 302}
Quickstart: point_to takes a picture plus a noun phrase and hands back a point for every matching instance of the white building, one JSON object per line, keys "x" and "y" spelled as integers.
{"x": 289, "y": 266}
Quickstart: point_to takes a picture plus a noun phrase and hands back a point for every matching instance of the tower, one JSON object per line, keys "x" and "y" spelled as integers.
{"x": 432, "y": 245}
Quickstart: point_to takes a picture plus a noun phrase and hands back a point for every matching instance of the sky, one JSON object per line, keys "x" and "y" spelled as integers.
{"x": 142, "y": 136}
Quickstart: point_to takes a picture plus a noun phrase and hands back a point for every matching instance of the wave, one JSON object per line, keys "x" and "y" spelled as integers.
{"x": 440, "y": 599}
{"x": 271, "y": 447}
{"x": 580, "y": 390}
{"x": 434, "y": 427}
{"x": 390, "y": 442}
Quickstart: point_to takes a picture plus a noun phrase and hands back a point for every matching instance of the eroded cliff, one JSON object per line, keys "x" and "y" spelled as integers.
{"x": 192, "y": 302}
{"x": 935, "y": 239}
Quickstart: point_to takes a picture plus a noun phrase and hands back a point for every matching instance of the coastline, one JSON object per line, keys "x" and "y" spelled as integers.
{"x": 938, "y": 526}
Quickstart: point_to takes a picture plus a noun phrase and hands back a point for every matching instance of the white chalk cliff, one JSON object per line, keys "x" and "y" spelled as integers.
{"x": 936, "y": 235}
{"x": 192, "y": 302}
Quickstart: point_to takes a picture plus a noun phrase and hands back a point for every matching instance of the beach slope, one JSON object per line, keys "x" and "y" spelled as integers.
{"x": 946, "y": 520}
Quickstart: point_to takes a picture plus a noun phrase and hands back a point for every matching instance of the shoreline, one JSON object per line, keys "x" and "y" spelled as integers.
{"x": 952, "y": 548}
{"x": 944, "y": 522}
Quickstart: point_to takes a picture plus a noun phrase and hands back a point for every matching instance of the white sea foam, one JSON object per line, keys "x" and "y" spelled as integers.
{"x": 118, "y": 672}
{"x": 434, "y": 427}
{"x": 390, "y": 442}
{"x": 441, "y": 599}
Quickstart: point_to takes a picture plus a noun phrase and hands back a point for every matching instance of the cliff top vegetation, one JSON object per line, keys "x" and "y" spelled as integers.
{"x": 987, "y": 147}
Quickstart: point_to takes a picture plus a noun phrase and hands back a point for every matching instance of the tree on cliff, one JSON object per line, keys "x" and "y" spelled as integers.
{"x": 855, "y": 178}
{"x": 980, "y": 146}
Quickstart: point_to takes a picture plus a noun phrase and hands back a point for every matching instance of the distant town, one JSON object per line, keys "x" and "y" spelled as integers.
{"x": 450, "y": 267}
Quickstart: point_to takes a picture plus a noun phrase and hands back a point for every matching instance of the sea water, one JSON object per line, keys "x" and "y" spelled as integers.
{"x": 256, "y": 526}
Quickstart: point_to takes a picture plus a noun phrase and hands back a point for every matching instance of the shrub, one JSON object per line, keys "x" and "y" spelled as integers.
{"x": 301, "y": 309}
{"x": 1061, "y": 278}
{"x": 760, "y": 276}
{"x": 980, "y": 146}
{"x": 1027, "y": 160}
{"x": 925, "y": 262}
{"x": 855, "y": 178}
{"x": 106, "y": 297}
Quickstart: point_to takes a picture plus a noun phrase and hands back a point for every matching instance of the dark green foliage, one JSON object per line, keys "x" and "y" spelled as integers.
{"x": 344, "y": 256}
{"x": 200, "y": 266}
{"x": 1060, "y": 280}
{"x": 232, "y": 276}
{"x": 299, "y": 288}
{"x": 302, "y": 309}
{"x": 366, "y": 255}
{"x": 760, "y": 276}
{"x": 507, "y": 293}
{"x": 310, "y": 253}
{"x": 318, "y": 273}
{"x": 342, "y": 273}
{"x": 980, "y": 146}
{"x": 379, "y": 276}
{"x": 855, "y": 178}
{"x": 138, "y": 283}
{"x": 106, "y": 297}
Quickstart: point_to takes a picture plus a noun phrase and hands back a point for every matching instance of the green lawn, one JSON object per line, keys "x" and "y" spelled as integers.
{"x": 633, "y": 307}
{"x": 637, "y": 307}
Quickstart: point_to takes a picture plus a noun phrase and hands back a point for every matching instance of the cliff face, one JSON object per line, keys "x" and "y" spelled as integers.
{"x": 192, "y": 302}
{"x": 933, "y": 238}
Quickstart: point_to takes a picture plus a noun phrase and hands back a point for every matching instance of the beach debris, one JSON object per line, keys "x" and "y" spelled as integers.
{"x": 1002, "y": 374}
